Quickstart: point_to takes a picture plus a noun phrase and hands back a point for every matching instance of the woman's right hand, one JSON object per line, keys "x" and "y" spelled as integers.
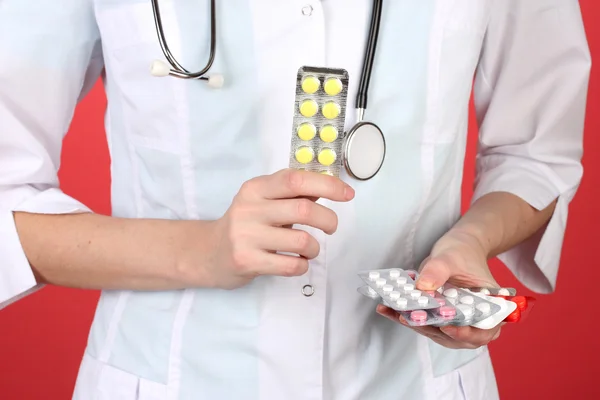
{"x": 258, "y": 223}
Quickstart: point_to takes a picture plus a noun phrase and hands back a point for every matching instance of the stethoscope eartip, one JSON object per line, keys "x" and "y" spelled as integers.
{"x": 216, "y": 81}
{"x": 159, "y": 68}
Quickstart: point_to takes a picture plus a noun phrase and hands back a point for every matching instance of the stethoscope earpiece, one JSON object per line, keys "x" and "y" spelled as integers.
{"x": 216, "y": 81}
{"x": 159, "y": 68}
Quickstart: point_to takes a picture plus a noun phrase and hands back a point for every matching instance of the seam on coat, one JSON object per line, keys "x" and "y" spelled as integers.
{"x": 424, "y": 354}
{"x": 174, "y": 378}
{"x": 188, "y": 179}
{"x": 113, "y": 326}
{"x": 427, "y": 143}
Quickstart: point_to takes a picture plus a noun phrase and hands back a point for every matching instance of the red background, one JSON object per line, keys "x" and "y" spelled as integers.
{"x": 552, "y": 355}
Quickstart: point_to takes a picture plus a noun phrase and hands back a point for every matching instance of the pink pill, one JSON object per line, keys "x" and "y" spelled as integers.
{"x": 446, "y": 311}
{"x": 418, "y": 316}
{"x": 411, "y": 273}
{"x": 441, "y": 301}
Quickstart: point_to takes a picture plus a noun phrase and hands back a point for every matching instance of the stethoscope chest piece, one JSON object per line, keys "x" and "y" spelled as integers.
{"x": 364, "y": 150}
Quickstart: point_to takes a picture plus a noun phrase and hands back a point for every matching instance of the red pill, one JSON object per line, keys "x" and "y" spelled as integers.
{"x": 521, "y": 302}
{"x": 418, "y": 316}
{"x": 446, "y": 311}
{"x": 515, "y": 316}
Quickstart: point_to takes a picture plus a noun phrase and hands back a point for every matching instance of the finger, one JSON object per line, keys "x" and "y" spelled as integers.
{"x": 430, "y": 332}
{"x": 278, "y": 265}
{"x": 289, "y": 241}
{"x": 387, "y": 312}
{"x": 434, "y": 274}
{"x": 291, "y": 183}
{"x": 300, "y": 211}
{"x": 470, "y": 335}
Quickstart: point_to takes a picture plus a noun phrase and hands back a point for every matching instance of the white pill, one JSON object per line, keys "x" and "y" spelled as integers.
{"x": 484, "y": 307}
{"x": 503, "y": 292}
{"x": 415, "y": 294}
{"x": 401, "y": 302}
{"x": 401, "y": 281}
{"x": 380, "y": 282}
{"x": 467, "y": 300}
{"x": 484, "y": 291}
{"x": 423, "y": 301}
{"x": 408, "y": 287}
{"x": 371, "y": 292}
{"x": 394, "y": 273}
{"x": 387, "y": 288}
{"x": 394, "y": 295}
{"x": 451, "y": 293}
{"x": 374, "y": 275}
{"x": 440, "y": 290}
{"x": 466, "y": 310}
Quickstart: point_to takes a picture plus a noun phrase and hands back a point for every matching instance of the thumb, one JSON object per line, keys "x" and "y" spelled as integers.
{"x": 434, "y": 274}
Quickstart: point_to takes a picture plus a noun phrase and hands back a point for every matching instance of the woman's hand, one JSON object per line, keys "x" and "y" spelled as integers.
{"x": 459, "y": 258}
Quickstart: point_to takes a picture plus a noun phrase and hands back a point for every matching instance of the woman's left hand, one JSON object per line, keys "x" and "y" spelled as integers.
{"x": 459, "y": 258}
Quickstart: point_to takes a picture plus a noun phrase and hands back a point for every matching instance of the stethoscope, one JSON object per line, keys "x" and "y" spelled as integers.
{"x": 364, "y": 144}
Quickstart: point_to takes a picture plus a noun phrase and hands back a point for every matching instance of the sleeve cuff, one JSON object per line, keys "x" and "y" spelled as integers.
{"x": 535, "y": 261}
{"x": 16, "y": 277}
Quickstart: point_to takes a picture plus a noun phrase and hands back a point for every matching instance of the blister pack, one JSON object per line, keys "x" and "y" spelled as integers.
{"x": 505, "y": 309}
{"x": 446, "y": 314}
{"x": 474, "y": 307}
{"x": 319, "y": 117}
{"x": 397, "y": 290}
{"x": 368, "y": 291}
{"x": 495, "y": 291}
{"x": 524, "y": 306}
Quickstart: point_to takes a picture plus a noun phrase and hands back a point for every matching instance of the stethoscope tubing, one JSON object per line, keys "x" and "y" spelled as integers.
{"x": 178, "y": 70}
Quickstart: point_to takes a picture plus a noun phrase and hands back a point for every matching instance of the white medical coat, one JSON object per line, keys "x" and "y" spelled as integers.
{"x": 181, "y": 150}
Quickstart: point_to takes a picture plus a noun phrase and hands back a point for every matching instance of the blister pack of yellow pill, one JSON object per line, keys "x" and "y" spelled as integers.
{"x": 319, "y": 116}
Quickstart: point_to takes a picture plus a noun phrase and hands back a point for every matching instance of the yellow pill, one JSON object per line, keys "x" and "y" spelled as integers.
{"x": 310, "y": 84}
{"x": 304, "y": 155}
{"x": 331, "y": 110}
{"x": 309, "y": 108}
{"x": 328, "y": 133}
{"x": 307, "y": 131}
{"x": 326, "y": 173}
{"x": 326, "y": 157}
{"x": 333, "y": 86}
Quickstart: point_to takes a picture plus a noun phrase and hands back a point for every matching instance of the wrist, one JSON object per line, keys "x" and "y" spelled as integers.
{"x": 486, "y": 231}
{"x": 195, "y": 253}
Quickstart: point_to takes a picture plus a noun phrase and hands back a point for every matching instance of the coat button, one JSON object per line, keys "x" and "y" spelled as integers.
{"x": 308, "y": 290}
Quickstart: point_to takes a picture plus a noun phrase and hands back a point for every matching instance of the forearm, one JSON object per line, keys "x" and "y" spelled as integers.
{"x": 99, "y": 252}
{"x": 502, "y": 220}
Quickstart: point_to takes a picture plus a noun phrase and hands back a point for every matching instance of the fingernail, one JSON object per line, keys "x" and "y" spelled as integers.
{"x": 424, "y": 283}
{"x": 348, "y": 193}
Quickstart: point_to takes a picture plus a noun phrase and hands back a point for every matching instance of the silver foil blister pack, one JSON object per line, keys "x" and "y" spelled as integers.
{"x": 474, "y": 308}
{"x": 396, "y": 289}
{"x": 319, "y": 119}
{"x": 495, "y": 291}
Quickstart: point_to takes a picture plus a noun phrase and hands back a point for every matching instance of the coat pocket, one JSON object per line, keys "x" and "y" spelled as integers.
{"x": 456, "y": 44}
{"x": 474, "y": 380}
{"x": 148, "y": 106}
{"x": 100, "y": 381}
